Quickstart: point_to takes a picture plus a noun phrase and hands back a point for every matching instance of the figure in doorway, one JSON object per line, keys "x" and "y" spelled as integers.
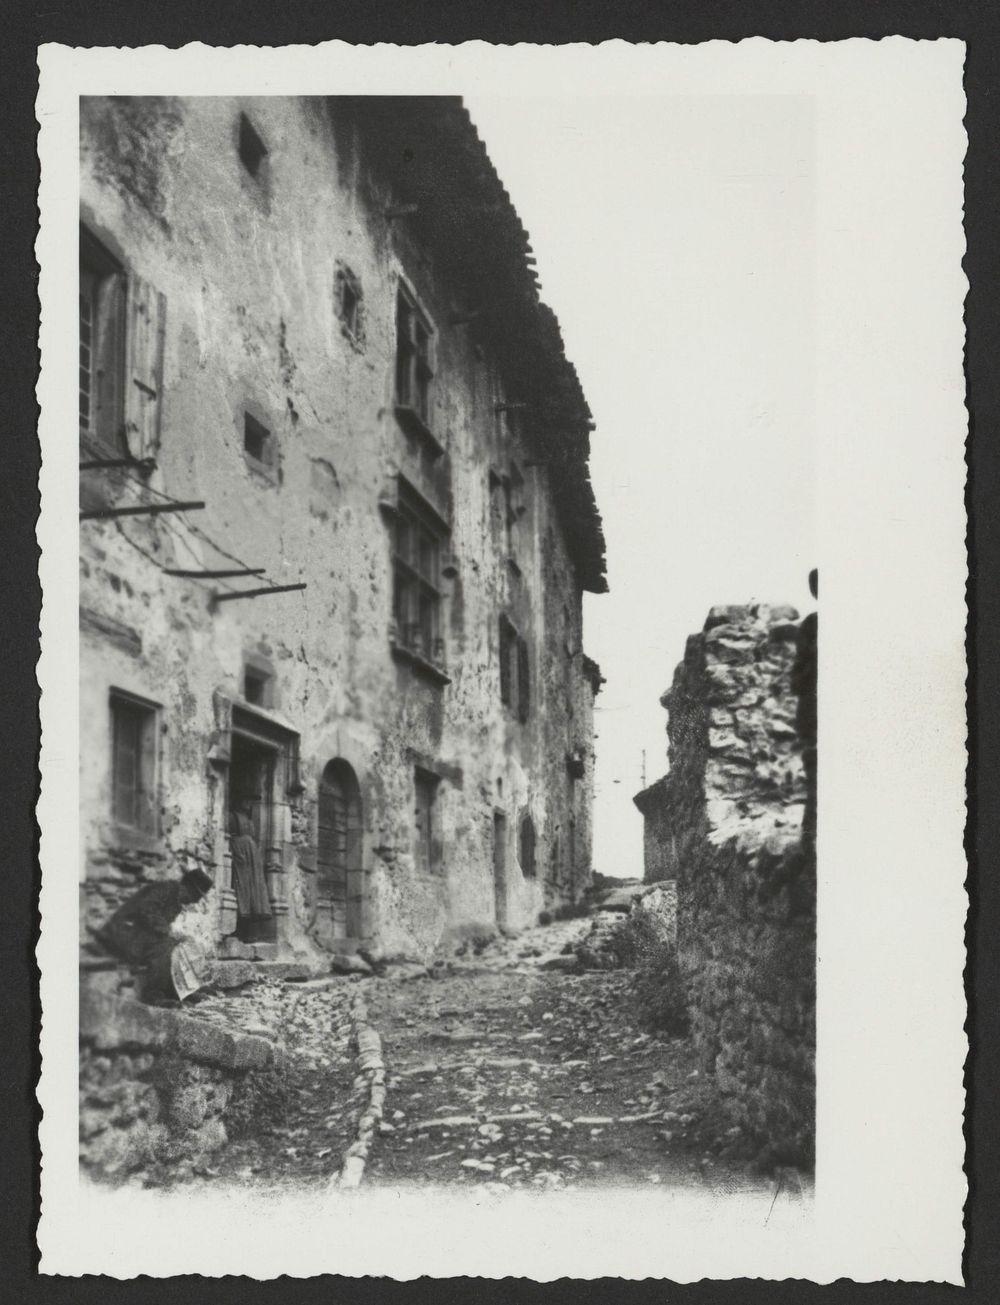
{"x": 249, "y": 884}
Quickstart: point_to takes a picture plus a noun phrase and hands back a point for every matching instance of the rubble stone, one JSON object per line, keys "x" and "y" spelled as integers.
{"x": 726, "y": 824}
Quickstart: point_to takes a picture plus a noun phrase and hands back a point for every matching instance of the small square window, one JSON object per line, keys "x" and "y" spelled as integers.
{"x": 350, "y": 303}
{"x": 256, "y": 440}
{"x": 256, "y": 686}
{"x": 252, "y": 149}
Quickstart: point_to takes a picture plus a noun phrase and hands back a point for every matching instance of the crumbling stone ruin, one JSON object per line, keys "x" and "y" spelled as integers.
{"x": 726, "y": 825}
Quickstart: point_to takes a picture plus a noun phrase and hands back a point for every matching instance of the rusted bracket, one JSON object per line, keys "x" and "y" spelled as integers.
{"x": 145, "y": 509}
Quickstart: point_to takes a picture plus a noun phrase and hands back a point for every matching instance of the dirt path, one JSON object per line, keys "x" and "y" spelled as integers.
{"x": 306, "y": 1116}
{"x": 508, "y": 1073}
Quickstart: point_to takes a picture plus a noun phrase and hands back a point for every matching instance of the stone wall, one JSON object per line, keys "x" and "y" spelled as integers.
{"x": 732, "y": 808}
{"x": 659, "y": 843}
{"x": 157, "y": 1086}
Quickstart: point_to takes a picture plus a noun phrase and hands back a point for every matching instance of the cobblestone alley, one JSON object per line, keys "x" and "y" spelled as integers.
{"x": 497, "y": 1069}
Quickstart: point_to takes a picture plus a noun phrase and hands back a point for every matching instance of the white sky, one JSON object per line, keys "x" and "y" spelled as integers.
{"x": 675, "y": 242}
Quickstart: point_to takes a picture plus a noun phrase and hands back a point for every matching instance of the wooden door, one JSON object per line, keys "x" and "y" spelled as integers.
{"x": 339, "y": 849}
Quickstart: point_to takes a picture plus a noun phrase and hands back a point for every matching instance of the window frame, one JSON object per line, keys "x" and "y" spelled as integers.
{"x": 266, "y": 466}
{"x": 419, "y": 548}
{"x": 106, "y": 299}
{"x": 415, "y": 361}
{"x": 145, "y": 822}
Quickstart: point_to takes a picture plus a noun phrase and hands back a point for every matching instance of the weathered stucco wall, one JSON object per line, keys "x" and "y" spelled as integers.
{"x": 247, "y": 273}
{"x": 732, "y": 809}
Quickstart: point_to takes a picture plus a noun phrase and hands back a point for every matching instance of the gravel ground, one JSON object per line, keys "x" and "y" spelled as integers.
{"x": 505, "y": 1073}
{"x": 500, "y": 1072}
{"x": 303, "y": 1137}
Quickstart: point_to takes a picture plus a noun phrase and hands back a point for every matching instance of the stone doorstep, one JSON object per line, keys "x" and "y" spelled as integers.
{"x": 113, "y": 1023}
{"x": 232, "y": 949}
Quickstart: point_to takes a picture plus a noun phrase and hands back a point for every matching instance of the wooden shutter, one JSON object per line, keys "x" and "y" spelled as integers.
{"x": 146, "y": 324}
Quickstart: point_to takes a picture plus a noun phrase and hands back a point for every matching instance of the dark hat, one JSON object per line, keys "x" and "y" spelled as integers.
{"x": 197, "y": 881}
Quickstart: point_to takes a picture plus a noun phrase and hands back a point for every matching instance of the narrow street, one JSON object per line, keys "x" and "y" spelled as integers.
{"x": 500, "y": 1069}
{"x": 508, "y": 1073}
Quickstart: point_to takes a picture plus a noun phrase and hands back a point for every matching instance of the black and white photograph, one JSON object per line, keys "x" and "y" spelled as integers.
{"x": 432, "y": 810}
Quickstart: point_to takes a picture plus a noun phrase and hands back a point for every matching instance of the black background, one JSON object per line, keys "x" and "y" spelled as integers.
{"x": 225, "y": 22}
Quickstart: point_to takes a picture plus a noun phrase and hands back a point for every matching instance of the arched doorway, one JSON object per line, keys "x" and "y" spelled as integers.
{"x": 339, "y": 849}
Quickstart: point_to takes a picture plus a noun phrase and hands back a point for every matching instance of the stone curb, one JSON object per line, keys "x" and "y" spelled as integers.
{"x": 118, "y": 1023}
{"x": 369, "y": 1086}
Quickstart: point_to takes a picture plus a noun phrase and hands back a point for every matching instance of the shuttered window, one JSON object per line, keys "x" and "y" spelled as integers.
{"x": 102, "y": 311}
{"x": 122, "y": 332}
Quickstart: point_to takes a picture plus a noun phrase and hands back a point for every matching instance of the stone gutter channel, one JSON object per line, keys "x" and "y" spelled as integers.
{"x": 368, "y": 1092}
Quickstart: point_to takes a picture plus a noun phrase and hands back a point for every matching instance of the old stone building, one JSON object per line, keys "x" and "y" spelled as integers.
{"x": 318, "y": 319}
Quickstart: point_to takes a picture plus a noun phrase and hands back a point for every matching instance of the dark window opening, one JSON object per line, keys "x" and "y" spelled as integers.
{"x": 523, "y": 681}
{"x": 133, "y": 764}
{"x": 256, "y": 440}
{"x": 417, "y": 549}
{"x": 102, "y": 344}
{"x": 508, "y": 643}
{"x": 515, "y": 670}
{"x": 349, "y": 303}
{"x": 414, "y": 357}
{"x": 427, "y": 848}
{"x": 526, "y": 847}
{"x": 252, "y": 148}
{"x": 514, "y": 508}
{"x": 257, "y": 686}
